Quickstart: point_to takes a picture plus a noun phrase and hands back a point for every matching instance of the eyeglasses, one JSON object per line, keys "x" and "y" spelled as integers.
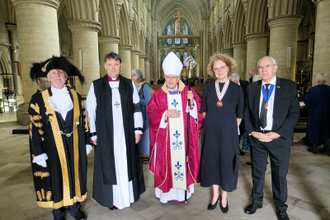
{"x": 171, "y": 77}
{"x": 266, "y": 67}
{"x": 221, "y": 68}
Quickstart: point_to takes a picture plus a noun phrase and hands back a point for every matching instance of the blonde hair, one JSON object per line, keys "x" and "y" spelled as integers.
{"x": 230, "y": 62}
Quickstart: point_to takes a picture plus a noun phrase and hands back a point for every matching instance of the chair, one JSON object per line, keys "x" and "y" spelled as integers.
{"x": 9, "y": 99}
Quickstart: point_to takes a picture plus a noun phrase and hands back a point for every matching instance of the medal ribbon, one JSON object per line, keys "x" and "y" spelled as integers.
{"x": 264, "y": 94}
{"x": 224, "y": 90}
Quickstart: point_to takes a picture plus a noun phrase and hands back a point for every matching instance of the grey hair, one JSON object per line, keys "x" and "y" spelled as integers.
{"x": 234, "y": 76}
{"x": 138, "y": 73}
{"x": 321, "y": 77}
{"x": 274, "y": 61}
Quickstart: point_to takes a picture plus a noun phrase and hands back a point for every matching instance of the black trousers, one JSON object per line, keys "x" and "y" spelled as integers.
{"x": 279, "y": 161}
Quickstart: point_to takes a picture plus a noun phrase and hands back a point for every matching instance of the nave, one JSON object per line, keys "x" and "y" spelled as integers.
{"x": 308, "y": 188}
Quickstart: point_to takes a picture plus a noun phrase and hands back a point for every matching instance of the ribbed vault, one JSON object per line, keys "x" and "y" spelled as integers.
{"x": 239, "y": 21}
{"x": 83, "y": 9}
{"x": 108, "y": 18}
{"x": 256, "y": 16}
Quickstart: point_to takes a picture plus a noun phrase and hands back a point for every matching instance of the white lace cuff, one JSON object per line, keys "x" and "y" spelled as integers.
{"x": 41, "y": 160}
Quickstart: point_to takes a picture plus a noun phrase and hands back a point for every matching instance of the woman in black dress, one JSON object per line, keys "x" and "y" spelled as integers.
{"x": 222, "y": 108}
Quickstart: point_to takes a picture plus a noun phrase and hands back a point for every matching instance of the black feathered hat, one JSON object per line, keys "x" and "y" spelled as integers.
{"x": 42, "y": 69}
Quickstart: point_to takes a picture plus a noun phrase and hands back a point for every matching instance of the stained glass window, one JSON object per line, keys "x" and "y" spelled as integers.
{"x": 185, "y": 32}
{"x": 177, "y": 54}
{"x": 169, "y": 32}
{"x": 177, "y": 40}
{"x": 185, "y": 55}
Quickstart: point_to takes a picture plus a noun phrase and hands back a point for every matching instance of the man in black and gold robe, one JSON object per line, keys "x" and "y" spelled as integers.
{"x": 59, "y": 134}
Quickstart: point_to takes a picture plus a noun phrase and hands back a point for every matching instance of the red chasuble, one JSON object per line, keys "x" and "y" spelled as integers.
{"x": 159, "y": 138}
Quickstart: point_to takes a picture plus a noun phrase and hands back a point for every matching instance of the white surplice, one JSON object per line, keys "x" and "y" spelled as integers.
{"x": 122, "y": 192}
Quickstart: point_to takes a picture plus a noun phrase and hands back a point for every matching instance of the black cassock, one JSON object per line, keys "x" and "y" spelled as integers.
{"x": 63, "y": 181}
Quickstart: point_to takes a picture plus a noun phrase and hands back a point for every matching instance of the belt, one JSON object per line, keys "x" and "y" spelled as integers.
{"x": 265, "y": 131}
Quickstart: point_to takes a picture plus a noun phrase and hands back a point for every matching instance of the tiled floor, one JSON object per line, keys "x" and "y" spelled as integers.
{"x": 308, "y": 186}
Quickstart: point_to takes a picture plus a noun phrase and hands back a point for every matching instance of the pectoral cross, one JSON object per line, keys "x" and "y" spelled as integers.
{"x": 117, "y": 104}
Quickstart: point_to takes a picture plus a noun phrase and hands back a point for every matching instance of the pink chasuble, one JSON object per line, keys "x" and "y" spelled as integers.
{"x": 159, "y": 137}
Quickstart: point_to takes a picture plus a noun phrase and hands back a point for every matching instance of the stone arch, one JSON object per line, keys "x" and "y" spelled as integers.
{"x": 135, "y": 36}
{"x": 108, "y": 18}
{"x": 5, "y": 62}
{"x": 284, "y": 7}
{"x": 8, "y": 11}
{"x": 142, "y": 47}
{"x": 124, "y": 27}
{"x": 83, "y": 9}
{"x": 227, "y": 38}
{"x": 256, "y": 16}
{"x": 64, "y": 33}
{"x": 239, "y": 21}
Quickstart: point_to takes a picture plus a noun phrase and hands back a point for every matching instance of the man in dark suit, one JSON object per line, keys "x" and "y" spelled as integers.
{"x": 251, "y": 73}
{"x": 270, "y": 114}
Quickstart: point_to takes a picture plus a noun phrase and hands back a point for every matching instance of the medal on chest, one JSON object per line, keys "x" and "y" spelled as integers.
{"x": 221, "y": 94}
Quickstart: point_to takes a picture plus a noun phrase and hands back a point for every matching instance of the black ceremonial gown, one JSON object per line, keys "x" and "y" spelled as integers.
{"x": 104, "y": 164}
{"x": 63, "y": 181}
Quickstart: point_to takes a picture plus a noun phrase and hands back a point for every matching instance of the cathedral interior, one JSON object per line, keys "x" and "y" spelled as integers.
{"x": 143, "y": 32}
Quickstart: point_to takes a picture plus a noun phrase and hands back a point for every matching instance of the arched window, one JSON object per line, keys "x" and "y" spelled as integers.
{"x": 185, "y": 32}
{"x": 169, "y": 32}
{"x": 177, "y": 54}
{"x": 177, "y": 40}
{"x": 185, "y": 55}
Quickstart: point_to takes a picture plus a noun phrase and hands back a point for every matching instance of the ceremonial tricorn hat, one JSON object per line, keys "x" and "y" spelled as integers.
{"x": 41, "y": 69}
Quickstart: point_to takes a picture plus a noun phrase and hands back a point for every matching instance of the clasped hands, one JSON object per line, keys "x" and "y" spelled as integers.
{"x": 268, "y": 137}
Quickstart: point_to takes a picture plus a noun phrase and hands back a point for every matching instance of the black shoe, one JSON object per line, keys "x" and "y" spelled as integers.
{"x": 249, "y": 164}
{"x": 242, "y": 153}
{"x": 79, "y": 215}
{"x": 281, "y": 215}
{"x": 223, "y": 209}
{"x": 60, "y": 218}
{"x": 113, "y": 208}
{"x": 313, "y": 149}
{"x": 211, "y": 207}
{"x": 252, "y": 208}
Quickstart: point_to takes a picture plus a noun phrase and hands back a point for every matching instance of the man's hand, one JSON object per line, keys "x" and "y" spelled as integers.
{"x": 265, "y": 137}
{"x": 172, "y": 113}
{"x": 137, "y": 138}
{"x": 190, "y": 96}
{"x": 94, "y": 142}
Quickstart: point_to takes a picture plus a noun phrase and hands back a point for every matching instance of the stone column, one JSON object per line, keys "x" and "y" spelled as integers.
{"x": 322, "y": 43}
{"x": 283, "y": 35}
{"x": 125, "y": 54}
{"x": 147, "y": 70}
{"x": 152, "y": 71}
{"x": 228, "y": 52}
{"x": 142, "y": 64}
{"x": 240, "y": 58}
{"x": 85, "y": 51}
{"x": 37, "y": 32}
{"x": 256, "y": 47}
{"x": 135, "y": 59}
{"x": 16, "y": 79}
{"x": 107, "y": 44}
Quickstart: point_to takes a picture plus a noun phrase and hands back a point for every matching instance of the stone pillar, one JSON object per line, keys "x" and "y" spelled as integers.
{"x": 85, "y": 51}
{"x": 142, "y": 64}
{"x": 284, "y": 35}
{"x": 228, "y": 52}
{"x": 256, "y": 47}
{"x": 147, "y": 70}
{"x": 322, "y": 43}
{"x": 37, "y": 33}
{"x": 125, "y": 54}
{"x": 152, "y": 71}
{"x": 107, "y": 44}
{"x": 240, "y": 58}
{"x": 135, "y": 59}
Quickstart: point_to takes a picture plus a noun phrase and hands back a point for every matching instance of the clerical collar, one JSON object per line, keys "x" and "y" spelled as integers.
{"x": 110, "y": 79}
{"x": 173, "y": 91}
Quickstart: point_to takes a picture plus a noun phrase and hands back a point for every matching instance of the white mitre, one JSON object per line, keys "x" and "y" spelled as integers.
{"x": 172, "y": 65}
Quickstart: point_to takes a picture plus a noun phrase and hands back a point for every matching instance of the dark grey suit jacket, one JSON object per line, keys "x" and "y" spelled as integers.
{"x": 285, "y": 115}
